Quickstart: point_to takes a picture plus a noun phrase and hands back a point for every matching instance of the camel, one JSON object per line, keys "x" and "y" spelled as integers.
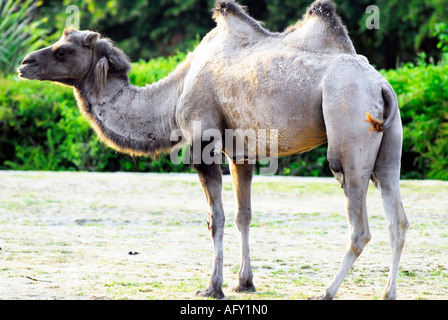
{"x": 308, "y": 83}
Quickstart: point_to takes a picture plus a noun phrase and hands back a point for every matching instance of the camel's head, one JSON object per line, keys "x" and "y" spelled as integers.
{"x": 76, "y": 56}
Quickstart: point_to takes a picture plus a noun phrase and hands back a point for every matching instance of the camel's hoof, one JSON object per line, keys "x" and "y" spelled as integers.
{"x": 211, "y": 293}
{"x": 389, "y": 296}
{"x": 244, "y": 288}
{"x": 322, "y": 297}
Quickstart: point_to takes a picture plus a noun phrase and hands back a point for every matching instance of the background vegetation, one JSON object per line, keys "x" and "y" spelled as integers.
{"x": 18, "y": 32}
{"x": 150, "y": 28}
{"x": 41, "y": 128}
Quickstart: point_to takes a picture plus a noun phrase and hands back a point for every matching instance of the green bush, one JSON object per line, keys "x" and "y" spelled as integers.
{"x": 423, "y": 98}
{"x": 149, "y": 29}
{"x": 19, "y": 32}
{"x": 42, "y": 129}
{"x": 155, "y": 69}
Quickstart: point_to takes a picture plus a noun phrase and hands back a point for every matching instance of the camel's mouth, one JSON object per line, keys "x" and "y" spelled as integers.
{"x": 29, "y": 72}
{"x": 22, "y": 75}
{"x": 29, "y": 69}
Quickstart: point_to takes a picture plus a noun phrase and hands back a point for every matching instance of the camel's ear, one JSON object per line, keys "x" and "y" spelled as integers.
{"x": 90, "y": 40}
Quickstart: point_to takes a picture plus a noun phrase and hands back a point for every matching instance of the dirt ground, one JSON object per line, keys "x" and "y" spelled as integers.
{"x": 143, "y": 236}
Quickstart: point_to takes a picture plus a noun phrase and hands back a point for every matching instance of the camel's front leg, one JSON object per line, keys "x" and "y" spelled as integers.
{"x": 211, "y": 180}
{"x": 242, "y": 179}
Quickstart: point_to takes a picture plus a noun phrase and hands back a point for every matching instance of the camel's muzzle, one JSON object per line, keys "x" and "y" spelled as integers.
{"x": 31, "y": 65}
{"x": 28, "y": 69}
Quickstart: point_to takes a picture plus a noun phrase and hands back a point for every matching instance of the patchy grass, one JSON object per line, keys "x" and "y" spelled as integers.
{"x": 68, "y": 236}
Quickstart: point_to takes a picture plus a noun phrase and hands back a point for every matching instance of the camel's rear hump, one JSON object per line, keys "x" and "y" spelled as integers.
{"x": 320, "y": 30}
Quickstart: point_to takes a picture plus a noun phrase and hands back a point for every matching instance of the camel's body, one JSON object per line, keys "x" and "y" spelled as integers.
{"x": 307, "y": 83}
{"x": 280, "y": 89}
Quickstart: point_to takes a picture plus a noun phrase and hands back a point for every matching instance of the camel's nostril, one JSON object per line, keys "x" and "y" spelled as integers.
{"x": 29, "y": 61}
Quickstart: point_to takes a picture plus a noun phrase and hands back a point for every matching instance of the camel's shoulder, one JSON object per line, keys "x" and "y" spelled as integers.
{"x": 233, "y": 19}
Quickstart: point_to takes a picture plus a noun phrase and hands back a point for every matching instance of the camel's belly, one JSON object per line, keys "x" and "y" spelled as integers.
{"x": 279, "y": 132}
{"x": 289, "y": 116}
{"x": 300, "y": 145}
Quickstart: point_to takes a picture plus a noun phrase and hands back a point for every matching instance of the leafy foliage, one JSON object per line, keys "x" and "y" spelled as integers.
{"x": 441, "y": 32}
{"x": 423, "y": 98}
{"x": 42, "y": 129}
{"x": 149, "y": 29}
{"x": 19, "y": 32}
{"x": 155, "y": 69}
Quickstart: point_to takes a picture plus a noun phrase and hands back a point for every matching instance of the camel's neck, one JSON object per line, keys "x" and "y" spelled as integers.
{"x": 133, "y": 120}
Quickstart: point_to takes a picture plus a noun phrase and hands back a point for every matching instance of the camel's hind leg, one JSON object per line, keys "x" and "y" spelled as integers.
{"x": 352, "y": 161}
{"x": 353, "y": 148}
{"x": 352, "y": 153}
{"x": 242, "y": 180}
{"x": 387, "y": 178}
{"x": 355, "y": 188}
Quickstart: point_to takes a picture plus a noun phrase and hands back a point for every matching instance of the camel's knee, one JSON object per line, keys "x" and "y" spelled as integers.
{"x": 215, "y": 224}
{"x": 358, "y": 242}
{"x": 398, "y": 223}
{"x": 402, "y": 226}
{"x": 398, "y": 232}
{"x": 243, "y": 217}
{"x": 338, "y": 172}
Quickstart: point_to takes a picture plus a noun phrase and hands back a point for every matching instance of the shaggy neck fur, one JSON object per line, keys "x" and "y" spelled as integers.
{"x": 133, "y": 120}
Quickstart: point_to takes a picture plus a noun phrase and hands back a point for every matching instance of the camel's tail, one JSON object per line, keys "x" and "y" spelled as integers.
{"x": 390, "y": 105}
{"x": 390, "y": 111}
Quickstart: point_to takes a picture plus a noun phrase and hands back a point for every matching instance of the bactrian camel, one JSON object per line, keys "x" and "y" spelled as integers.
{"x": 307, "y": 83}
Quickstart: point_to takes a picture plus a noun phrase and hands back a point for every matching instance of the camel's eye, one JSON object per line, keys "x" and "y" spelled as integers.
{"x": 60, "y": 54}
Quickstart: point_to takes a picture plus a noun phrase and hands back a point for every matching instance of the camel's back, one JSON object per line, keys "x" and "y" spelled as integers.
{"x": 255, "y": 79}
